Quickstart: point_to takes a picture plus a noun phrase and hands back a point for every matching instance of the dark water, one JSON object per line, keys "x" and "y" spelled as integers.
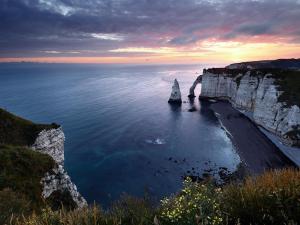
{"x": 121, "y": 135}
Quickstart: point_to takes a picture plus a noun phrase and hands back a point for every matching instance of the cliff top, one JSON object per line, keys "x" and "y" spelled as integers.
{"x": 278, "y": 63}
{"x": 18, "y": 131}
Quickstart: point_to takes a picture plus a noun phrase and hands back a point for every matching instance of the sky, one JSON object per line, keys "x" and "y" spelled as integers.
{"x": 148, "y": 31}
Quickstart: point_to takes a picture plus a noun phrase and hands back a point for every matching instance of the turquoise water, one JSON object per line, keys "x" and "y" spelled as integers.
{"x": 121, "y": 134}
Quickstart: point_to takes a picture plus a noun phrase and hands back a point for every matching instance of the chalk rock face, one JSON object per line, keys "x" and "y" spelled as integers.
{"x": 259, "y": 95}
{"x": 192, "y": 89}
{"x": 51, "y": 142}
{"x": 59, "y": 180}
{"x": 175, "y": 94}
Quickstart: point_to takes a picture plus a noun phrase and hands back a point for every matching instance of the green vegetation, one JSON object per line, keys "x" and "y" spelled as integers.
{"x": 21, "y": 170}
{"x": 17, "y": 131}
{"x": 272, "y": 198}
{"x": 288, "y": 81}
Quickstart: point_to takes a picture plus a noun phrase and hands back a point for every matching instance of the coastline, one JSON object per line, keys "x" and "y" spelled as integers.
{"x": 256, "y": 150}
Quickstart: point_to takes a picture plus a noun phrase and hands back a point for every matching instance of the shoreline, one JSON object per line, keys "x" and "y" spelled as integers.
{"x": 256, "y": 150}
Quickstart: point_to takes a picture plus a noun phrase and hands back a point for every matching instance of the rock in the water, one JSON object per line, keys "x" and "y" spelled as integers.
{"x": 193, "y": 109}
{"x": 176, "y": 94}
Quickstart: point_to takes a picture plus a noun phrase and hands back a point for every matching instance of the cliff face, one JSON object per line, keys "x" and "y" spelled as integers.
{"x": 258, "y": 94}
{"x": 51, "y": 142}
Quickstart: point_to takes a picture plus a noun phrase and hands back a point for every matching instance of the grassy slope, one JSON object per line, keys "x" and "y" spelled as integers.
{"x": 17, "y": 131}
{"x": 21, "y": 168}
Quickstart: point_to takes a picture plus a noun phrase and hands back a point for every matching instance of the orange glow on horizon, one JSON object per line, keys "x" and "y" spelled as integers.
{"x": 204, "y": 52}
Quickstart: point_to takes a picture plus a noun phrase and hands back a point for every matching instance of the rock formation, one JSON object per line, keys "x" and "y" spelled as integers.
{"x": 192, "y": 89}
{"x": 175, "y": 94}
{"x": 59, "y": 180}
{"x": 51, "y": 142}
{"x": 258, "y": 95}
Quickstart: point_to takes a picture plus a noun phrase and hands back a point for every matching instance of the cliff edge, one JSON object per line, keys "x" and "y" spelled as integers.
{"x": 271, "y": 95}
{"x": 32, "y": 158}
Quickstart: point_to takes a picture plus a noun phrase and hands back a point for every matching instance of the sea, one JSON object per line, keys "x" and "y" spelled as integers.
{"x": 122, "y": 136}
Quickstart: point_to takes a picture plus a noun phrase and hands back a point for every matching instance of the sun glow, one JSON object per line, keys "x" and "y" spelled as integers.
{"x": 203, "y": 52}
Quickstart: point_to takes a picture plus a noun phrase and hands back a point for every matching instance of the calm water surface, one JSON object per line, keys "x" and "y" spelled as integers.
{"x": 121, "y": 135}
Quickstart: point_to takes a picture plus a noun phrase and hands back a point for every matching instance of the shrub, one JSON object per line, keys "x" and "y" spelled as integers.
{"x": 196, "y": 204}
{"x": 272, "y": 198}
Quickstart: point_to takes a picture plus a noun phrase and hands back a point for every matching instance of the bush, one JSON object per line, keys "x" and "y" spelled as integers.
{"x": 196, "y": 204}
{"x": 272, "y": 198}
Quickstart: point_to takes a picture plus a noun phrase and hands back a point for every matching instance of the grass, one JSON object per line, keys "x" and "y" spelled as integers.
{"x": 271, "y": 198}
{"x": 21, "y": 170}
{"x": 17, "y": 131}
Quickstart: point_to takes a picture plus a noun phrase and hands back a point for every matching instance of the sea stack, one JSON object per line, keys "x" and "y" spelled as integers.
{"x": 175, "y": 97}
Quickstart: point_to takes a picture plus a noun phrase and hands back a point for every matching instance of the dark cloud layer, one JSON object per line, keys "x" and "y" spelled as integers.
{"x": 93, "y": 27}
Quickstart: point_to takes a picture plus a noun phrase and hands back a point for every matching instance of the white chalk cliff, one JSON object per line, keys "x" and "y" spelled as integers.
{"x": 175, "y": 94}
{"x": 259, "y": 95}
{"x": 51, "y": 142}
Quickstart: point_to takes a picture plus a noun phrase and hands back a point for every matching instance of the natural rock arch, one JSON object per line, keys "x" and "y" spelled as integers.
{"x": 192, "y": 88}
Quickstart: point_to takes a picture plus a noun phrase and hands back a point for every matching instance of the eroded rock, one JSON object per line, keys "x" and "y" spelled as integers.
{"x": 51, "y": 142}
{"x": 175, "y": 97}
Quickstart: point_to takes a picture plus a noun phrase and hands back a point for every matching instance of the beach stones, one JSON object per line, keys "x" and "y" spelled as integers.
{"x": 175, "y": 97}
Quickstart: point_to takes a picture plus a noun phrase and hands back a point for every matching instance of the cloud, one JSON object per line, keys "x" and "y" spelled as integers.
{"x": 31, "y": 28}
{"x": 111, "y": 37}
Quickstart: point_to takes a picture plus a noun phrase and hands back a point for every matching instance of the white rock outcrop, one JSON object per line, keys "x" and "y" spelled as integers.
{"x": 59, "y": 180}
{"x": 256, "y": 94}
{"x": 175, "y": 94}
{"x": 51, "y": 142}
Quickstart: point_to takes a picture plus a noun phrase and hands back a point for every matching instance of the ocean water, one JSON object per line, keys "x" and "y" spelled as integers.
{"x": 121, "y": 134}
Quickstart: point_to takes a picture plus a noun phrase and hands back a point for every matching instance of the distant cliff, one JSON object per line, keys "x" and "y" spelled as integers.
{"x": 271, "y": 94}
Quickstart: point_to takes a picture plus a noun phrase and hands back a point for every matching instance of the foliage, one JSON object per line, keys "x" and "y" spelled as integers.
{"x": 196, "y": 204}
{"x": 127, "y": 211}
{"x": 12, "y": 203}
{"x": 272, "y": 198}
{"x": 17, "y": 131}
{"x": 21, "y": 170}
{"x": 131, "y": 210}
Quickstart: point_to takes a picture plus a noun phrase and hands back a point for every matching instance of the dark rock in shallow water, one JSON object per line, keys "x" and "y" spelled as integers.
{"x": 193, "y": 109}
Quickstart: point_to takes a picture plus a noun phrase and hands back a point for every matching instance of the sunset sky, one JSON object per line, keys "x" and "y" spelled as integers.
{"x": 148, "y": 31}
